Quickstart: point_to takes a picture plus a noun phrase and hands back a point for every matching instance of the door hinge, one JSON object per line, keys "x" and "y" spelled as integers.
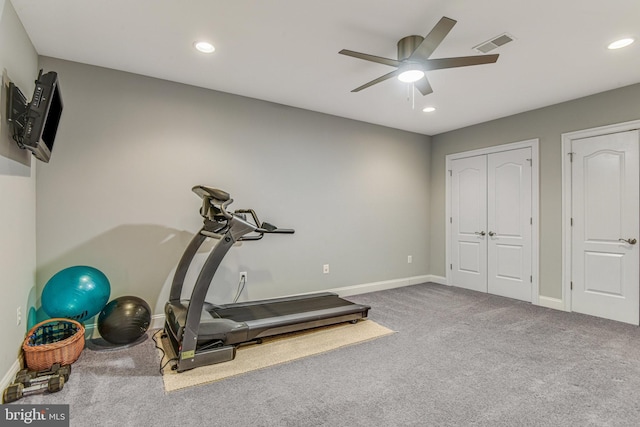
{"x": 450, "y": 172}
{"x": 450, "y": 220}
{"x": 531, "y": 279}
{"x": 530, "y": 162}
{"x": 571, "y": 156}
{"x": 571, "y": 285}
{"x": 450, "y": 266}
{"x": 531, "y": 220}
{"x": 572, "y": 222}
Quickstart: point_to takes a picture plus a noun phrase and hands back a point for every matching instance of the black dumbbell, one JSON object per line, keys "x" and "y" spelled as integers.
{"x": 27, "y": 377}
{"x": 17, "y": 391}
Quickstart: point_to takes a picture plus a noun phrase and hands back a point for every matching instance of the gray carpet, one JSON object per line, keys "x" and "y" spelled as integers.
{"x": 459, "y": 358}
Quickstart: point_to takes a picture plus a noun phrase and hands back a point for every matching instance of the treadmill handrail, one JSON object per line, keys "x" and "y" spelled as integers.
{"x": 277, "y": 231}
{"x": 223, "y": 207}
{"x": 265, "y": 227}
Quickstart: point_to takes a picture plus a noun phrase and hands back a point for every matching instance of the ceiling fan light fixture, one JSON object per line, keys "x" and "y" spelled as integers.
{"x": 410, "y": 76}
{"x": 204, "y": 47}
{"x": 619, "y": 44}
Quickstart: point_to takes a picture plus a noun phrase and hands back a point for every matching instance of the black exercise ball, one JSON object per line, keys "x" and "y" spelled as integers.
{"x": 124, "y": 320}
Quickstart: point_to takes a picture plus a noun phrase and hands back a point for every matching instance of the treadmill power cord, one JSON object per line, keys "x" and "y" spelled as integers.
{"x": 155, "y": 341}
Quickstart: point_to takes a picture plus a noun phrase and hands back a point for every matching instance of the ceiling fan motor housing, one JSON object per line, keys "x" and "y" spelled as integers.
{"x": 407, "y": 45}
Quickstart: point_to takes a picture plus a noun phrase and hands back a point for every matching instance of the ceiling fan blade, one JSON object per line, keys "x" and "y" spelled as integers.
{"x": 461, "y": 61}
{"x": 433, "y": 39}
{"x": 378, "y": 80}
{"x": 423, "y": 86}
{"x": 372, "y": 58}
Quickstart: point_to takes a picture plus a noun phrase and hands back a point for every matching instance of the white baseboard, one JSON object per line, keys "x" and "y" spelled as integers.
{"x": 548, "y": 302}
{"x": 437, "y": 279}
{"x": 379, "y": 286}
{"x": 157, "y": 321}
{"x": 11, "y": 374}
{"x": 91, "y": 331}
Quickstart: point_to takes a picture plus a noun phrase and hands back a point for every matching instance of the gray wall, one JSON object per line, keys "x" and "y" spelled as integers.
{"x": 117, "y": 192}
{"x": 17, "y": 196}
{"x": 547, "y": 124}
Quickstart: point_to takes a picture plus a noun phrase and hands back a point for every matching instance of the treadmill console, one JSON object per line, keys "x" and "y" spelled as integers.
{"x": 212, "y": 193}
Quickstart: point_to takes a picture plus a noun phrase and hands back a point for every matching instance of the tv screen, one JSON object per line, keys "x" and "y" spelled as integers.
{"x": 43, "y": 116}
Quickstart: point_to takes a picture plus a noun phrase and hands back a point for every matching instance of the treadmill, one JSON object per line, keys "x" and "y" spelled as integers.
{"x": 198, "y": 333}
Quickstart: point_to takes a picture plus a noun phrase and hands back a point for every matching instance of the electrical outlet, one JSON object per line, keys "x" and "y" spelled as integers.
{"x": 325, "y": 269}
{"x": 243, "y": 277}
{"x": 18, "y": 316}
{"x": 409, "y": 259}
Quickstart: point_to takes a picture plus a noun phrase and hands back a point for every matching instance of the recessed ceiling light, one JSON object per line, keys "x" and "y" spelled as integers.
{"x": 618, "y": 44}
{"x": 429, "y": 109}
{"x": 204, "y": 47}
{"x": 410, "y": 76}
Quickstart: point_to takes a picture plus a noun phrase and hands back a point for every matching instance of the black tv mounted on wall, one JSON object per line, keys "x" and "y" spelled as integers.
{"x": 35, "y": 124}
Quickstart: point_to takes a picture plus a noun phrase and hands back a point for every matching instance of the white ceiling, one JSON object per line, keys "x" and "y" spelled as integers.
{"x": 286, "y": 51}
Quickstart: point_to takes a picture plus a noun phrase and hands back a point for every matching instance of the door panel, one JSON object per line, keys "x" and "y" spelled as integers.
{"x": 469, "y": 218}
{"x": 509, "y": 262}
{"x": 469, "y": 256}
{"x": 509, "y": 224}
{"x": 606, "y": 208}
{"x": 602, "y": 273}
{"x": 603, "y": 198}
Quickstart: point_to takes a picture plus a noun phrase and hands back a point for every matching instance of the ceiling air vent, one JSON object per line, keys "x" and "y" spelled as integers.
{"x": 494, "y": 43}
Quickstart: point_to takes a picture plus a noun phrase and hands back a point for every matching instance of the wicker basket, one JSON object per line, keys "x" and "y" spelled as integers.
{"x": 53, "y": 341}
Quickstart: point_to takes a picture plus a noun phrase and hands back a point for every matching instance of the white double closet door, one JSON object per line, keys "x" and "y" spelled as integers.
{"x": 491, "y": 223}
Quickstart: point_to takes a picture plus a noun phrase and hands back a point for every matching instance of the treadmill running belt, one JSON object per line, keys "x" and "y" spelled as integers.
{"x": 277, "y": 309}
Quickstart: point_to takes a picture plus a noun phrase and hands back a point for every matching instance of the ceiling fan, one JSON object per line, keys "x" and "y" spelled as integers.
{"x": 413, "y": 58}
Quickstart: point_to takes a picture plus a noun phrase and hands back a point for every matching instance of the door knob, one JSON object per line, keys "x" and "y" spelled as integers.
{"x": 630, "y": 241}
{"x": 491, "y": 233}
{"x": 480, "y": 233}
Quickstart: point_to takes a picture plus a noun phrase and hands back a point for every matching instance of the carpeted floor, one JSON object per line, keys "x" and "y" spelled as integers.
{"x": 459, "y": 358}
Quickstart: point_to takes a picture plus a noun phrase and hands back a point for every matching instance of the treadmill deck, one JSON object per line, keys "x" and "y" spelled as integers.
{"x": 241, "y": 322}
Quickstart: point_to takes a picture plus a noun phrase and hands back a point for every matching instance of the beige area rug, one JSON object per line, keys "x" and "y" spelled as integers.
{"x": 276, "y": 350}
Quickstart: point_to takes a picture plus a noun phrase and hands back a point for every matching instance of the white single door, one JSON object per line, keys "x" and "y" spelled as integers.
{"x": 509, "y": 224}
{"x": 468, "y": 223}
{"x": 605, "y": 209}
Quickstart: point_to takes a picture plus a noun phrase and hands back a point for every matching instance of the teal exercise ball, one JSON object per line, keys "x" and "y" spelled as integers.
{"x": 78, "y": 293}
